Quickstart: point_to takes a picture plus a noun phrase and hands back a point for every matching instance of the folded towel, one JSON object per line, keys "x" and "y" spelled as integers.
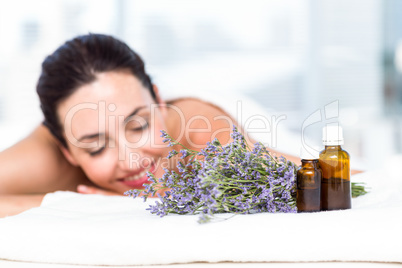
{"x": 73, "y": 228}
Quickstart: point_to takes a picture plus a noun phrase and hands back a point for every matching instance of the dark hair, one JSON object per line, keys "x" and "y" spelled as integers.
{"x": 76, "y": 63}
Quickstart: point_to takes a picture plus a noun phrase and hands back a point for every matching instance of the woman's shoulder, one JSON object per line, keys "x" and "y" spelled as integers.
{"x": 201, "y": 121}
{"x": 196, "y": 106}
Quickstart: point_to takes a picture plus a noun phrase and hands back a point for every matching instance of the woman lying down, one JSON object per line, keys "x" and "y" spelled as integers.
{"x": 101, "y": 129}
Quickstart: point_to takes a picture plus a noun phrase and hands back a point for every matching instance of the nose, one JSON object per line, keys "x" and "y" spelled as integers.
{"x": 128, "y": 159}
{"x": 131, "y": 156}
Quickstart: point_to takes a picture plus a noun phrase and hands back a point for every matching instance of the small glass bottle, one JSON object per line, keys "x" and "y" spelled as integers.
{"x": 335, "y": 165}
{"x": 308, "y": 194}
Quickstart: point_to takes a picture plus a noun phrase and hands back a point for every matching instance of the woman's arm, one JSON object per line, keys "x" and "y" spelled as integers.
{"x": 36, "y": 165}
{"x": 13, "y": 204}
{"x": 33, "y": 167}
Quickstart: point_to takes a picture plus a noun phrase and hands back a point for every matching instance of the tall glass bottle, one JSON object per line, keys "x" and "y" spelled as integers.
{"x": 308, "y": 194}
{"x": 335, "y": 165}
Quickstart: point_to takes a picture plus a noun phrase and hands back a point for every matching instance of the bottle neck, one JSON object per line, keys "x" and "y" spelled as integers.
{"x": 309, "y": 163}
{"x": 333, "y": 147}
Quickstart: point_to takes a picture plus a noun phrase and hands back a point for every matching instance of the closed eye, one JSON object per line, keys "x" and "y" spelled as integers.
{"x": 97, "y": 152}
{"x": 142, "y": 127}
{"x": 137, "y": 125}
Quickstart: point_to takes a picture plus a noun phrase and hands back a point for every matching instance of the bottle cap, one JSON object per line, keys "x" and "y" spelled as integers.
{"x": 308, "y": 153}
{"x": 332, "y": 135}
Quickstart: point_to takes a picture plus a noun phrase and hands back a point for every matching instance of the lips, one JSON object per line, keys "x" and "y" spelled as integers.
{"x": 136, "y": 177}
{"x": 136, "y": 181}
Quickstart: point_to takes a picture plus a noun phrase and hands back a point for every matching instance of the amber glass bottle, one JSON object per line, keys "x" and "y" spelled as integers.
{"x": 308, "y": 194}
{"x": 335, "y": 165}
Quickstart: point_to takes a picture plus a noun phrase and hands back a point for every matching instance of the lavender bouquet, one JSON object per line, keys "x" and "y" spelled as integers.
{"x": 230, "y": 178}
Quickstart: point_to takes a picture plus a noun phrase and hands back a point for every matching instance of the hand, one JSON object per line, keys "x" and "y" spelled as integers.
{"x": 85, "y": 189}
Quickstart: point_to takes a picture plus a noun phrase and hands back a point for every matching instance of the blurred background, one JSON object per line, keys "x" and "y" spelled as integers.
{"x": 291, "y": 57}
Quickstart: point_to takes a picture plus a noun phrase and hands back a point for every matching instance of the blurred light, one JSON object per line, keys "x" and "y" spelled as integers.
{"x": 349, "y": 117}
{"x": 398, "y": 56}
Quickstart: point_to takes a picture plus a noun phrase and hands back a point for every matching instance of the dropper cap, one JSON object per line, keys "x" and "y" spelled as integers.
{"x": 332, "y": 135}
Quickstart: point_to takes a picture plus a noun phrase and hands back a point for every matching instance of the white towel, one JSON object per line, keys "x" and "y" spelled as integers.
{"x": 73, "y": 228}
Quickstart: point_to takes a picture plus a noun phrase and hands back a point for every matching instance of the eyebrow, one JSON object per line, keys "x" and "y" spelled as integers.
{"x": 134, "y": 113}
{"x": 89, "y": 136}
{"x": 94, "y": 135}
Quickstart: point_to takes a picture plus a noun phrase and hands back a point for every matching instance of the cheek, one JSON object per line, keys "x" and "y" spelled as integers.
{"x": 156, "y": 133}
{"x": 157, "y": 139}
{"x": 155, "y": 147}
{"x": 98, "y": 170}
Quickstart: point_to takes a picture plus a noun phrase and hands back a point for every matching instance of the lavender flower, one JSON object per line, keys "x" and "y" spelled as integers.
{"x": 230, "y": 178}
{"x": 172, "y": 153}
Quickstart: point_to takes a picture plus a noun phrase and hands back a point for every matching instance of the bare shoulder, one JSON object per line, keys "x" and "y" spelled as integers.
{"x": 36, "y": 165}
{"x": 193, "y": 109}
{"x": 192, "y": 103}
{"x": 201, "y": 121}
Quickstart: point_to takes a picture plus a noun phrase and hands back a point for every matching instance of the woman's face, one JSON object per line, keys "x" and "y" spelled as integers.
{"x": 112, "y": 128}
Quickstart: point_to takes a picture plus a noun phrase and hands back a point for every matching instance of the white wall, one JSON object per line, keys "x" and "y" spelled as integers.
{"x": 291, "y": 57}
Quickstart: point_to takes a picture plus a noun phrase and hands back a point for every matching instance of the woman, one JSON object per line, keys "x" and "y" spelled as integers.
{"x": 101, "y": 132}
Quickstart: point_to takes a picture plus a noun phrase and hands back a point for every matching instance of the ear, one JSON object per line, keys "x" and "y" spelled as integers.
{"x": 68, "y": 156}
